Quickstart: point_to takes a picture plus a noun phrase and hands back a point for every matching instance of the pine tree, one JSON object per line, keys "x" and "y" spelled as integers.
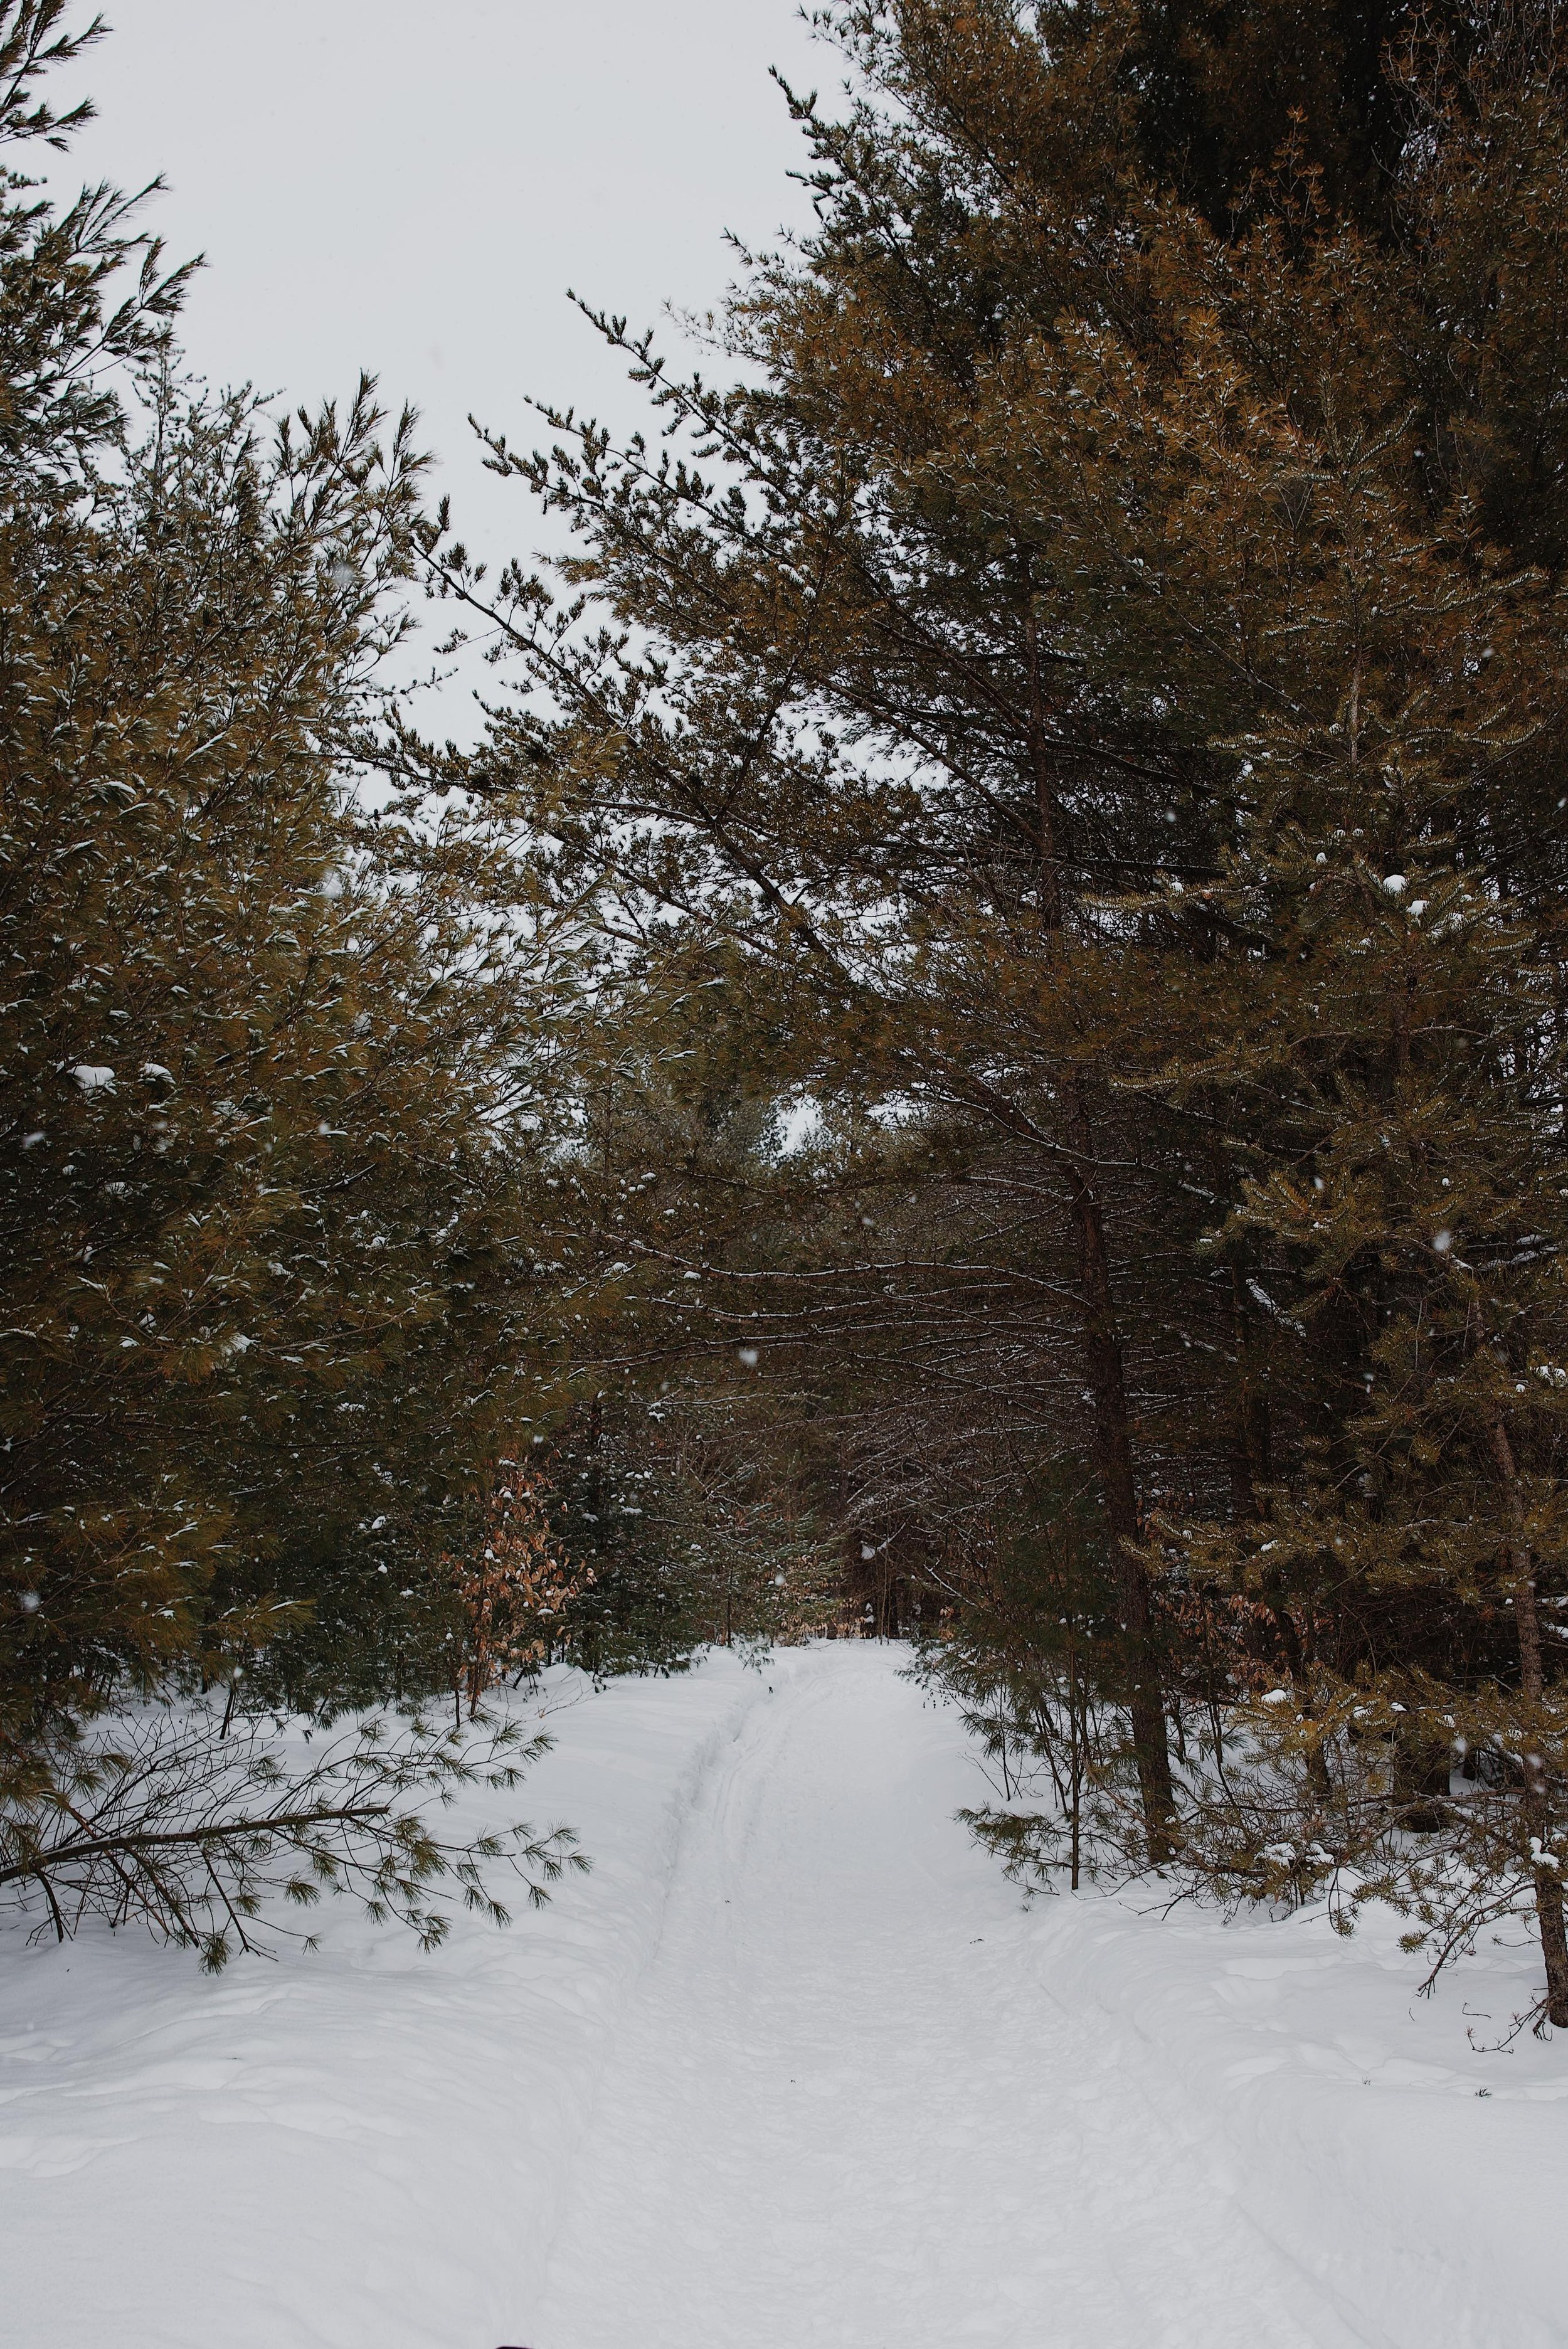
{"x": 264, "y": 1199}
{"x": 1390, "y": 971}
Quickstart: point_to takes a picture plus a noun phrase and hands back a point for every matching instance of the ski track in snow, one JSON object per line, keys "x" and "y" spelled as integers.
{"x": 830, "y": 2118}
{"x": 792, "y": 2070}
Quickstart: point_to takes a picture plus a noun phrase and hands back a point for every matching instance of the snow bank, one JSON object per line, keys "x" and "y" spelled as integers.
{"x": 1413, "y": 2178}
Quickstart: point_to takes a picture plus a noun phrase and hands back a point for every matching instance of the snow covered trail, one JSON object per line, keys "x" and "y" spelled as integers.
{"x": 832, "y": 2117}
{"x": 793, "y": 2069}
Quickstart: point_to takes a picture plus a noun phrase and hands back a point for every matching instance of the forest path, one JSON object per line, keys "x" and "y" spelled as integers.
{"x": 839, "y": 2114}
{"x": 791, "y": 2069}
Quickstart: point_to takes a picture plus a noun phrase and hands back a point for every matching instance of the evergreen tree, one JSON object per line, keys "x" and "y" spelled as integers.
{"x": 264, "y": 1266}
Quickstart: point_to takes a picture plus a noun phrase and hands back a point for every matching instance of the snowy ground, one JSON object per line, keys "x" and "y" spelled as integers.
{"x": 791, "y": 2070}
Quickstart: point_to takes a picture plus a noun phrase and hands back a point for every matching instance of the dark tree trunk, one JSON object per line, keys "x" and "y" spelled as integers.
{"x": 1107, "y": 1385}
{"x": 1104, "y": 1375}
{"x": 1549, "y": 1914}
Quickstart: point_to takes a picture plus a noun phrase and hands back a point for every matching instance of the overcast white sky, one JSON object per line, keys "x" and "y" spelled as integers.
{"x": 412, "y": 185}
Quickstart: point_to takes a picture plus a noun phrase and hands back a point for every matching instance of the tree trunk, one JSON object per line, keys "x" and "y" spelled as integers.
{"x": 1103, "y": 1370}
{"x": 1113, "y": 1451}
{"x": 1532, "y": 1680}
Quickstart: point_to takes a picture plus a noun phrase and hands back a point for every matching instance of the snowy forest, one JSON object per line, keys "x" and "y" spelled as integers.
{"x": 970, "y": 1051}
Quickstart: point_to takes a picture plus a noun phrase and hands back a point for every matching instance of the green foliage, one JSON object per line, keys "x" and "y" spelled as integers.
{"x": 1031, "y": 1655}
{"x": 266, "y": 1286}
